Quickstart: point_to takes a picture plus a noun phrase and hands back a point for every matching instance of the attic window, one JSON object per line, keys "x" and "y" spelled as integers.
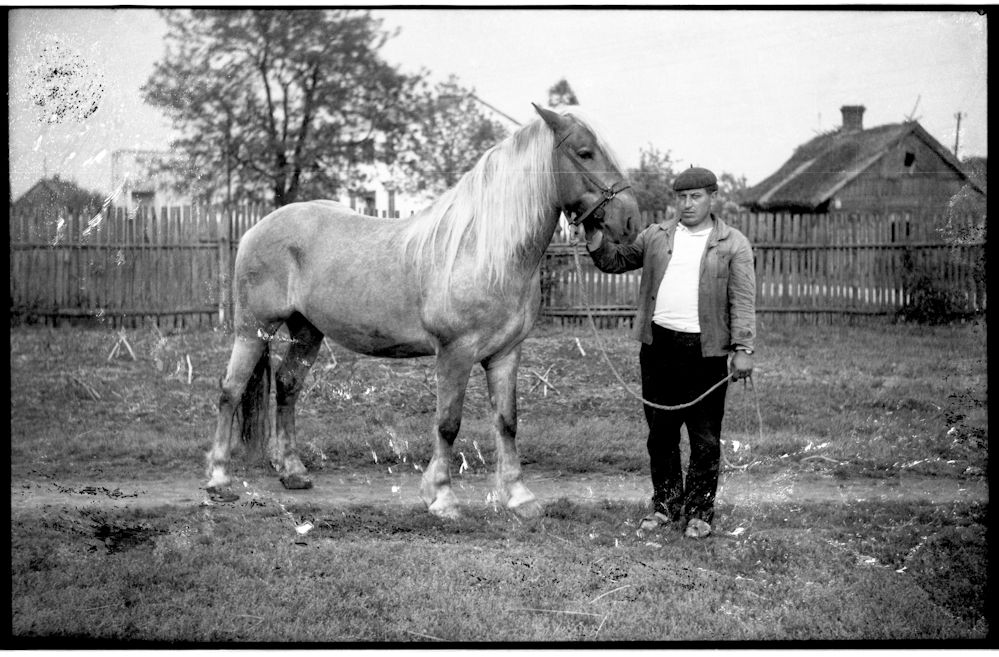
{"x": 143, "y": 197}
{"x": 910, "y": 159}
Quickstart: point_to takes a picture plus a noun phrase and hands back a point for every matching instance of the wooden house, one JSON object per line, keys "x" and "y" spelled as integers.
{"x": 888, "y": 168}
{"x": 42, "y": 211}
{"x": 53, "y": 195}
{"x": 140, "y": 179}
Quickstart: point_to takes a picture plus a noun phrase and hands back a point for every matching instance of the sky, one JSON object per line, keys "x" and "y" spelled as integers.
{"x": 732, "y": 90}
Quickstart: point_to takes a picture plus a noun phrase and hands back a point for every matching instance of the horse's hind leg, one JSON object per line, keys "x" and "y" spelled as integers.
{"x": 306, "y": 340}
{"x": 435, "y": 488}
{"x": 501, "y": 379}
{"x": 246, "y": 353}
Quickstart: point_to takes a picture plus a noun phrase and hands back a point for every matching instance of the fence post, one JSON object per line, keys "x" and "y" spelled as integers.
{"x": 225, "y": 269}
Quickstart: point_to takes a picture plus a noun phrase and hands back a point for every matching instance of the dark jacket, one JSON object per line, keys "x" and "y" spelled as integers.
{"x": 726, "y": 300}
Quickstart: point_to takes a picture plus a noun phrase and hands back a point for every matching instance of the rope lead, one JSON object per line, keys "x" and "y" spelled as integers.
{"x": 603, "y": 352}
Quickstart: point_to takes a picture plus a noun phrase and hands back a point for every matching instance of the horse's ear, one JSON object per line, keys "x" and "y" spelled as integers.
{"x": 555, "y": 121}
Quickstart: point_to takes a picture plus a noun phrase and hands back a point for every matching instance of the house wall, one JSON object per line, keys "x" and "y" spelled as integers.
{"x": 382, "y": 196}
{"x": 136, "y": 182}
{"x": 910, "y": 175}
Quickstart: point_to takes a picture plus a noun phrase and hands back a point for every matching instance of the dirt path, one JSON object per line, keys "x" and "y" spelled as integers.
{"x": 340, "y": 489}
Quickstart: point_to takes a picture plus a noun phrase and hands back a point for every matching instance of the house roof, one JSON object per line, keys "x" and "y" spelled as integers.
{"x": 821, "y": 167}
{"x": 55, "y": 191}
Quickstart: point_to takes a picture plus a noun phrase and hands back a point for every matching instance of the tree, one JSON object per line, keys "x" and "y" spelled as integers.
{"x": 285, "y": 104}
{"x": 967, "y": 201}
{"x": 730, "y": 189}
{"x": 561, "y": 94}
{"x": 652, "y": 181}
{"x": 977, "y": 168}
{"x": 447, "y": 138}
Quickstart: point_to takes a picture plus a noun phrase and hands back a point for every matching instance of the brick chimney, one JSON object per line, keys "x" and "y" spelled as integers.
{"x": 853, "y": 117}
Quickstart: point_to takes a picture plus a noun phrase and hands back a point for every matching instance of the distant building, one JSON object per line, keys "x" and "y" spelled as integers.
{"x": 382, "y": 196}
{"x": 892, "y": 167}
{"x": 43, "y": 210}
{"x": 137, "y": 179}
{"x": 53, "y": 195}
{"x": 385, "y": 196}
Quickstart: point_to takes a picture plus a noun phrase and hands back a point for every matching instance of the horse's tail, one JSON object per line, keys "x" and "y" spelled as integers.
{"x": 254, "y": 408}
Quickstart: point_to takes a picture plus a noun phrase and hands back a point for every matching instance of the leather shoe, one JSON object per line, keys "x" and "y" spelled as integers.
{"x": 697, "y": 528}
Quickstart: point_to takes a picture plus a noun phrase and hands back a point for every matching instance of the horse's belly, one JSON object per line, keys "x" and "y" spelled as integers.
{"x": 384, "y": 346}
{"x": 387, "y": 338}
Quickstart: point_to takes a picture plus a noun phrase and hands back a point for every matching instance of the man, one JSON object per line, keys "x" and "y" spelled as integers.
{"x": 696, "y": 321}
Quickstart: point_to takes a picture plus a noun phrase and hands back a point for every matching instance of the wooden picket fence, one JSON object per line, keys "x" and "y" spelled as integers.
{"x": 173, "y": 266}
{"x": 815, "y": 268}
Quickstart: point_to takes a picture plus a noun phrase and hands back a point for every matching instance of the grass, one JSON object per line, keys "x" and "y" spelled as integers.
{"x": 850, "y": 402}
{"x": 364, "y": 573}
{"x": 916, "y": 402}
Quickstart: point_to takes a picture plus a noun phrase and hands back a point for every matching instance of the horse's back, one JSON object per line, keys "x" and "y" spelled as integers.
{"x": 294, "y": 218}
{"x": 313, "y": 232}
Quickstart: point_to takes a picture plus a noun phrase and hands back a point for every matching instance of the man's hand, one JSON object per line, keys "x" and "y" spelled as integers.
{"x": 741, "y": 365}
{"x": 593, "y": 236}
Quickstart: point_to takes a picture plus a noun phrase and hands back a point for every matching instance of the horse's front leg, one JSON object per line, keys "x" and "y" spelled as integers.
{"x": 501, "y": 377}
{"x": 452, "y": 379}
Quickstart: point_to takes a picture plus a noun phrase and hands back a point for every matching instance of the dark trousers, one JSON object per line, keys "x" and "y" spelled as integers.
{"x": 674, "y": 372}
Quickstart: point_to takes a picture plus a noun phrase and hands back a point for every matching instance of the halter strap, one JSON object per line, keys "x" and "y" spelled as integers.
{"x": 608, "y": 192}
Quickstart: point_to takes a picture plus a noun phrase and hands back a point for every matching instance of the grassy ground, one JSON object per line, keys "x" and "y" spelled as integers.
{"x": 906, "y": 398}
{"x": 858, "y": 402}
{"x": 394, "y": 573}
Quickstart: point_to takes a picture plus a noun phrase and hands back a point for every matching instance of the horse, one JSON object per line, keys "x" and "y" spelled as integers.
{"x": 459, "y": 281}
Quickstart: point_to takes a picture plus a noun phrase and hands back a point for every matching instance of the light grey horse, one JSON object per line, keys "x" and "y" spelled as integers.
{"x": 459, "y": 281}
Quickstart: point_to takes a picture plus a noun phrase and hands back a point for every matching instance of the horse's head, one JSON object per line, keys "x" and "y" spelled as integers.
{"x": 591, "y": 187}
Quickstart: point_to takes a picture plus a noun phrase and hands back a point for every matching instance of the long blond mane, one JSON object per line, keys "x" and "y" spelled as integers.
{"x": 492, "y": 212}
{"x": 496, "y": 209}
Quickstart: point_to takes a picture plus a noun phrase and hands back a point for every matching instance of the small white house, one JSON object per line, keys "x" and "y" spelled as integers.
{"x": 137, "y": 181}
{"x": 383, "y": 196}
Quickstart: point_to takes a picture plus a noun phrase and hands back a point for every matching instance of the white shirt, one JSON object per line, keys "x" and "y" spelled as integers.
{"x": 676, "y": 300}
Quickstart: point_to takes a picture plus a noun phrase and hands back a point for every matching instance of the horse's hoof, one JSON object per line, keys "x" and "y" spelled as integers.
{"x": 296, "y": 482}
{"x": 226, "y": 494}
{"x": 447, "y": 512}
{"x": 528, "y": 510}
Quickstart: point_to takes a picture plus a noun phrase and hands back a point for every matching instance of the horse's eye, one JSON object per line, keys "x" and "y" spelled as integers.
{"x": 585, "y": 154}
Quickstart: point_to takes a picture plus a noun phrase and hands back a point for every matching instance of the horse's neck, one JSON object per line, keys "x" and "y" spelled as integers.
{"x": 535, "y": 246}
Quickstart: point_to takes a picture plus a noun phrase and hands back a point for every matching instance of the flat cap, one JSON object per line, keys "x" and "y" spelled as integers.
{"x": 695, "y": 178}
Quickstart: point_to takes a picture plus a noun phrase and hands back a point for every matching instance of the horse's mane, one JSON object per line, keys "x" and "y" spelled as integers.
{"x": 493, "y": 211}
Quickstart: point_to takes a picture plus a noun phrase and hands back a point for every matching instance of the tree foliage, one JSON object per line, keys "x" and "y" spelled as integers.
{"x": 449, "y": 133}
{"x": 275, "y": 103}
{"x": 653, "y": 179}
{"x": 561, "y": 94}
{"x": 652, "y": 183}
{"x": 977, "y": 168}
{"x": 730, "y": 190}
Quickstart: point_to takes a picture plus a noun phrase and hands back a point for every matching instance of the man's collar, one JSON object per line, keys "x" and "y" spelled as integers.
{"x": 702, "y": 229}
{"x": 720, "y": 227}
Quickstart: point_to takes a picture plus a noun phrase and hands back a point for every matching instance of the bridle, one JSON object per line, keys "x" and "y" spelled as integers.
{"x": 607, "y": 192}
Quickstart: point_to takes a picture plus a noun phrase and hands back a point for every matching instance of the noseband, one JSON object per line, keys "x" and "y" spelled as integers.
{"x": 607, "y": 192}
